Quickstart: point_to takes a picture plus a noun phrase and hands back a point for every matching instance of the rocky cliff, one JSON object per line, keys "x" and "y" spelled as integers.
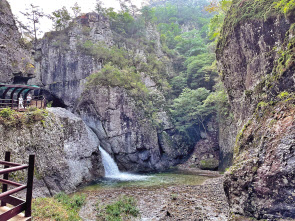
{"x": 16, "y": 63}
{"x": 61, "y": 65}
{"x": 66, "y": 150}
{"x": 65, "y": 60}
{"x": 126, "y": 132}
{"x": 256, "y": 58}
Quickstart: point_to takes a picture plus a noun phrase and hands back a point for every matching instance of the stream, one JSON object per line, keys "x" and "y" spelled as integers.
{"x": 173, "y": 195}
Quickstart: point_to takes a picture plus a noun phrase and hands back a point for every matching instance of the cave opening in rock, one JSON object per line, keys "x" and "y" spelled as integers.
{"x": 21, "y": 80}
{"x": 52, "y": 99}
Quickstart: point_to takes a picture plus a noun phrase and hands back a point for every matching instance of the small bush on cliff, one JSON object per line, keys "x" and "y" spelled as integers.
{"x": 127, "y": 78}
{"x": 7, "y": 113}
{"x": 286, "y": 6}
{"x": 122, "y": 209}
{"x": 11, "y": 118}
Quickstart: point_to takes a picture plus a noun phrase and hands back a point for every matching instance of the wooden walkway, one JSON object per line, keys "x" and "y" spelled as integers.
{"x": 19, "y": 217}
{"x": 6, "y": 197}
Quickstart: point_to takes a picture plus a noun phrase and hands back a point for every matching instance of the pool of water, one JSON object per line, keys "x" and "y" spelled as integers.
{"x": 152, "y": 180}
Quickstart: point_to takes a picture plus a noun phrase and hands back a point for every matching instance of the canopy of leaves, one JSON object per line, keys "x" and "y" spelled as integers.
{"x": 189, "y": 110}
{"x": 61, "y": 18}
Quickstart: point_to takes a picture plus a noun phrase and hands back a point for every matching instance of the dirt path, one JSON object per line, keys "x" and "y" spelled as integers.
{"x": 181, "y": 202}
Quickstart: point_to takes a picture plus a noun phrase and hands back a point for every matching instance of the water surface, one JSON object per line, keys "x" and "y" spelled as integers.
{"x": 153, "y": 180}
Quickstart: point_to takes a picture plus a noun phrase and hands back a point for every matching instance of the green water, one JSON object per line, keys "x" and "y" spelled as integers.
{"x": 153, "y": 180}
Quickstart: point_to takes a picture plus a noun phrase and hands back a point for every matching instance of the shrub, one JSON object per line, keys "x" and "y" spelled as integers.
{"x": 7, "y": 113}
{"x": 75, "y": 202}
{"x": 124, "y": 207}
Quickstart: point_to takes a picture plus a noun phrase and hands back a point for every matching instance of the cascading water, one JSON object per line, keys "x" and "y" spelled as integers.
{"x": 112, "y": 171}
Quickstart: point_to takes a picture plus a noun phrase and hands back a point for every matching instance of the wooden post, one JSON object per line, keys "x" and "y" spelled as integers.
{"x": 5, "y": 176}
{"x": 28, "y": 211}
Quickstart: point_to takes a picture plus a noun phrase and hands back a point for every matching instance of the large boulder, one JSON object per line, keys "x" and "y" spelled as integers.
{"x": 66, "y": 150}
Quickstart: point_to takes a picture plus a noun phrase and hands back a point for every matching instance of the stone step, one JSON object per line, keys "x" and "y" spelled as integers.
{"x": 19, "y": 217}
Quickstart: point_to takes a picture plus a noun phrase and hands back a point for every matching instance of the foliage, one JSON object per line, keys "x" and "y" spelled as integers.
{"x": 11, "y": 118}
{"x": 33, "y": 15}
{"x": 125, "y": 207}
{"x": 190, "y": 43}
{"x": 76, "y": 10}
{"x": 218, "y": 98}
{"x": 200, "y": 72}
{"x": 123, "y": 23}
{"x": 286, "y": 6}
{"x": 216, "y": 23}
{"x": 127, "y": 78}
{"x": 61, "y": 18}
{"x": 60, "y": 208}
{"x": 190, "y": 110}
{"x": 74, "y": 202}
{"x": 7, "y": 113}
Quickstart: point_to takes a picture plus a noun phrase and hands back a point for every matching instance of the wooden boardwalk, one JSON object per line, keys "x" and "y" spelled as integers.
{"x": 19, "y": 217}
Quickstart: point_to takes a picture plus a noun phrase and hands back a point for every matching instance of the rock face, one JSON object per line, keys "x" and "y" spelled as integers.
{"x": 66, "y": 151}
{"x": 15, "y": 61}
{"x": 65, "y": 60}
{"x": 226, "y": 139}
{"x": 62, "y": 65}
{"x": 125, "y": 132}
{"x": 256, "y": 57}
{"x": 206, "y": 152}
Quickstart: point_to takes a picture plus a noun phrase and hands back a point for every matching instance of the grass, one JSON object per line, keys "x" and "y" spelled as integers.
{"x": 60, "y": 208}
{"x": 12, "y": 118}
{"x": 122, "y": 209}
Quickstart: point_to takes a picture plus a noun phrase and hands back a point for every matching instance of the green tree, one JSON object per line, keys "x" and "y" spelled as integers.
{"x": 216, "y": 23}
{"x": 61, "y": 18}
{"x": 148, "y": 14}
{"x": 76, "y": 10}
{"x": 190, "y": 43}
{"x": 190, "y": 110}
{"x": 33, "y": 15}
{"x": 200, "y": 72}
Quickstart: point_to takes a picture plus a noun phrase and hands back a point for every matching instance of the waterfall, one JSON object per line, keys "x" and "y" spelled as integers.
{"x": 112, "y": 171}
{"x": 110, "y": 167}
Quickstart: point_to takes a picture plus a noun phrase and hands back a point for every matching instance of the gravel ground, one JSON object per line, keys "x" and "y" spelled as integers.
{"x": 180, "y": 202}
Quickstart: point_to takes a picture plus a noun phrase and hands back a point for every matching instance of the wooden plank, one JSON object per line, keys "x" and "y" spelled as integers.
{"x": 9, "y": 192}
{"x": 12, "y": 200}
{"x": 12, "y": 212}
{"x": 19, "y": 217}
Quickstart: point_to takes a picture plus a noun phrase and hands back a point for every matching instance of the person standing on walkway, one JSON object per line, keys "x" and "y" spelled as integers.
{"x": 20, "y": 103}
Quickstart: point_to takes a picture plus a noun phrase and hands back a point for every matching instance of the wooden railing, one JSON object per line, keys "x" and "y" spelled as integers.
{"x": 6, "y": 195}
{"x": 39, "y": 102}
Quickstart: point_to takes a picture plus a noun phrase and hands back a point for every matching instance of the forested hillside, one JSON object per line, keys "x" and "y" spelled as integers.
{"x": 182, "y": 63}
